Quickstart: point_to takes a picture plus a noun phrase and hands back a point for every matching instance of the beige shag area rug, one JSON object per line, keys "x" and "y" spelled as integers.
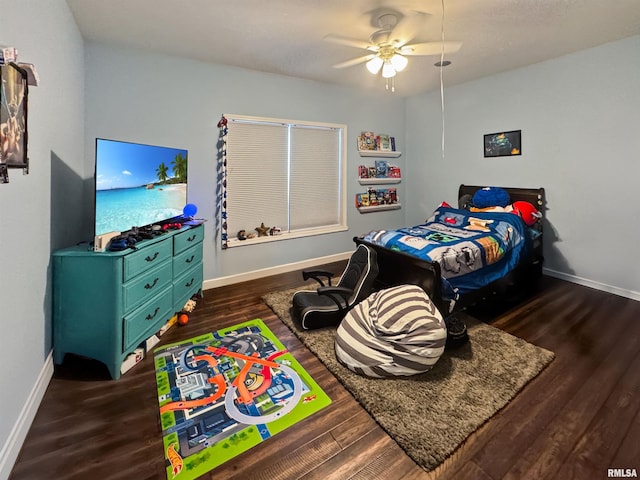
{"x": 431, "y": 414}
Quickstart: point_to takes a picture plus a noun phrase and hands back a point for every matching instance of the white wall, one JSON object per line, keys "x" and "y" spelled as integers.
{"x": 161, "y": 100}
{"x": 45, "y": 34}
{"x": 579, "y": 116}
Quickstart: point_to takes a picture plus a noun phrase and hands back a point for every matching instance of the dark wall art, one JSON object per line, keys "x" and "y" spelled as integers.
{"x": 503, "y": 144}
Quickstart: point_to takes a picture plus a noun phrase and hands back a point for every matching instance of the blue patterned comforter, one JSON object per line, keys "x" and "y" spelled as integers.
{"x": 472, "y": 248}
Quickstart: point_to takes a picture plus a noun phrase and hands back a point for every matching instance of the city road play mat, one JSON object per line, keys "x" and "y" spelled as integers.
{"x": 222, "y": 393}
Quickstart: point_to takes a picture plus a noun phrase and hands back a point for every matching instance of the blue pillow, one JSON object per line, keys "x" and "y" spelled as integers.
{"x": 491, "y": 197}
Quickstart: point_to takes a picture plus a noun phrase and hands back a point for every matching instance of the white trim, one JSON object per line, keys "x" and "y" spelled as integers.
{"x": 282, "y": 121}
{"x": 266, "y": 272}
{"x": 290, "y": 267}
{"x": 11, "y": 448}
{"x": 593, "y": 284}
{"x": 235, "y": 242}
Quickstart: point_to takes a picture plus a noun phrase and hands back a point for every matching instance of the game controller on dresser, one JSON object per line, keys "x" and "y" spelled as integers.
{"x": 172, "y": 226}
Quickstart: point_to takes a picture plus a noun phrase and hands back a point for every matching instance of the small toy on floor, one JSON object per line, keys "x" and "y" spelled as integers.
{"x": 183, "y": 316}
{"x": 189, "y": 306}
{"x": 183, "y": 319}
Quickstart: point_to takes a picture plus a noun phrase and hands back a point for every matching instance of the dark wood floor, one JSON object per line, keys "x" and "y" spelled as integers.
{"x": 577, "y": 419}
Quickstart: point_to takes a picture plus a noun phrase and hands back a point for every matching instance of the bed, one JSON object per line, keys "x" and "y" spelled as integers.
{"x": 461, "y": 255}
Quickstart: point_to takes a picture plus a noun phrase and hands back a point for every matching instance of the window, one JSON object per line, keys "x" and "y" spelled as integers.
{"x": 284, "y": 174}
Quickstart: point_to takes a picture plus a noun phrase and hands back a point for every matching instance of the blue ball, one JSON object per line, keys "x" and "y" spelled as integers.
{"x": 189, "y": 210}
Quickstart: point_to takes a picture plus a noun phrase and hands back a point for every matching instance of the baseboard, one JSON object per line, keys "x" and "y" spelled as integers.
{"x": 266, "y": 272}
{"x": 11, "y": 448}
{"x": 289, "y": 267}
{"x": 593, "y": 284}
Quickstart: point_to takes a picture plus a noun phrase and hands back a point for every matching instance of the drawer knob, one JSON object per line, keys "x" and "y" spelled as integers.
{"x": 189, "y": 260}
{"x": 151, "y": 317}
{"x": 150, "y": 286}
{"x": 151, "y": 259}
{"x": 190, "y": 282}
{"x": 192, "y": 238}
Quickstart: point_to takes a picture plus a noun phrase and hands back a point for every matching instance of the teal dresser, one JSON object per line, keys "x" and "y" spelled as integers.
{"x": 105, "y": 304}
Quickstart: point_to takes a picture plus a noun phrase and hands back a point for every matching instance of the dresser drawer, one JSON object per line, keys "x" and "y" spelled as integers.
{"x": 186, "y": 286}
{"x": 147, "y": 319}
{"x": 188, "y": 238}
{"x": 138, "y": 262}
{"x": 146, "y": 285}
{"x": 186, "y": 260}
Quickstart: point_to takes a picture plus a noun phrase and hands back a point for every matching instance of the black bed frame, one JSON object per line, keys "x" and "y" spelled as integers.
{"x": 398, "y": 268}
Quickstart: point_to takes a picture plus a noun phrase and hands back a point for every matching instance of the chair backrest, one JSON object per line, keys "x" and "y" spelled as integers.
{"x": 360, "y": 274}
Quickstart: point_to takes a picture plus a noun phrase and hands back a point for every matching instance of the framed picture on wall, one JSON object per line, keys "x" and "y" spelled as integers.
{"x": 13, "y": 117}
{"x": 503, "y": 144}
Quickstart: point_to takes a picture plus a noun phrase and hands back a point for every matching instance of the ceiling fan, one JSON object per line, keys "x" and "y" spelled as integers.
{"x": 389, "y": 46}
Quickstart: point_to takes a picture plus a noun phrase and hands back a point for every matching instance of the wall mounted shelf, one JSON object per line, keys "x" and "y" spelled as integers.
{"x": 377, "y": 208}
{"x": 379, "y": 180}
{"x": 379, "y": 153}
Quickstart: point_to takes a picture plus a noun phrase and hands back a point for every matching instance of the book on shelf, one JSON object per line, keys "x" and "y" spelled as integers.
{"x": 392, "y": 142}
{"x": 394, "y": 172}
{"x": 377, "y": 196}
{"x": 367, "y": 141}
{"x": 362, "y": 200}
{"x": 382, "y": 168}
{"x": 385, "y": 142}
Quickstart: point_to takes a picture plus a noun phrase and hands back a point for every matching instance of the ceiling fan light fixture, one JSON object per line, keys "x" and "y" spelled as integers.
{"x": 374, "y": 65}
{"x": 399, "y": 62}
{"x": 387, "y": 70}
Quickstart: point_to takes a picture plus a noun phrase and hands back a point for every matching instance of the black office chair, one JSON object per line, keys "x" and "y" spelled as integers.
{"x": 328, "y": 304}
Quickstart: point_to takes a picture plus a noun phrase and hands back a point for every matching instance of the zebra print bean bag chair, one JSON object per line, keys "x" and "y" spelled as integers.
{"x": 393, "y": 332}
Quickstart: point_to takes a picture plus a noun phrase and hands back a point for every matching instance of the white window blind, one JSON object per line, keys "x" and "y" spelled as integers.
{"x": 284, "y": 174}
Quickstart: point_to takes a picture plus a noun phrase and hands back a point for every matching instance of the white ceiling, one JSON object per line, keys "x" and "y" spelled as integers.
{"x": 286, "y": 36}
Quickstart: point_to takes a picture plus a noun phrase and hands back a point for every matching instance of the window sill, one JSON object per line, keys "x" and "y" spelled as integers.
{"x": 234, "y": 242}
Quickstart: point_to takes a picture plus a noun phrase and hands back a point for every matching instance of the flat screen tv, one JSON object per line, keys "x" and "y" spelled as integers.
{"x": 137, "y": 185}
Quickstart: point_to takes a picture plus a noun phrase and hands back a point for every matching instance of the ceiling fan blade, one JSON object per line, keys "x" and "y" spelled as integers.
{"x": 430, "y": 48}
{"x": 407, "y": 28}
{"x": 350, "y": 42}
{"x": 354, "y": 61}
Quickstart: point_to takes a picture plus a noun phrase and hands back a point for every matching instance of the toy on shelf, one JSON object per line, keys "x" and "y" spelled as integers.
{"x": 382, "y": 172}
{"x": 382, "y": 142}
{"x": 387, "y": 197}
{"x": 262, "y": 230}
{"x": 367, "y": 141}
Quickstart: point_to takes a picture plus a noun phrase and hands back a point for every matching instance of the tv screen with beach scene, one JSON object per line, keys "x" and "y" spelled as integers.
{"x": 137, "y": 185}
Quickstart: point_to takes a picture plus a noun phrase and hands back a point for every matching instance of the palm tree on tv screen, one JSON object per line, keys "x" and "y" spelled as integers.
{"x": 162, "y": 172}
{"x": 180, "y": 167}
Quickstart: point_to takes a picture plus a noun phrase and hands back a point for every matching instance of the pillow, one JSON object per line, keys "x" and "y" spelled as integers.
{"x": 491, "y": 197}
{"x": 527, "y": 212}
